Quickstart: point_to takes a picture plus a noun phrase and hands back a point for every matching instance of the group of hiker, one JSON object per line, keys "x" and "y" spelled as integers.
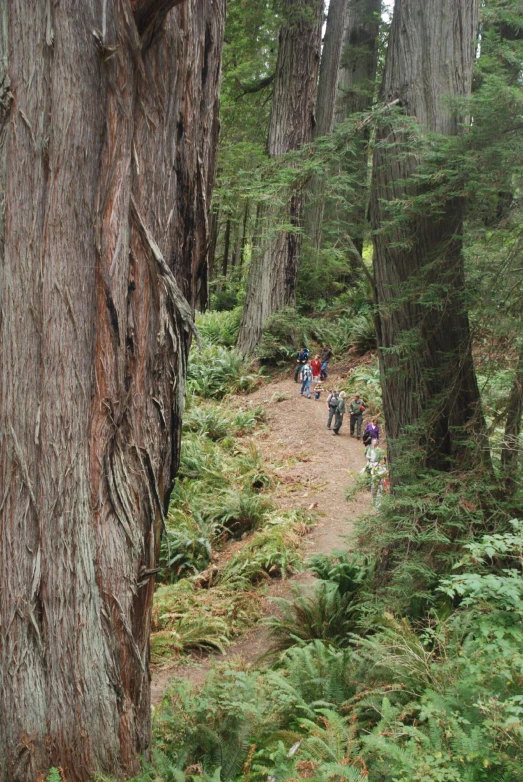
{"x": 312, "y": 373}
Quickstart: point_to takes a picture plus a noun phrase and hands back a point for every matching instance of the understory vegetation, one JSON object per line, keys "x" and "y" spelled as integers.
{"x": 403, "y": 661}
{"x": 408, "y": 668}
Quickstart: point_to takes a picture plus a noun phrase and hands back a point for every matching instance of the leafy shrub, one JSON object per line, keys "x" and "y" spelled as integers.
{"x": 186, "y": 617}
{"x": 320, "y": 613}
{"x": 365, "y": 380}
{"x": 238, "y": 511}
{"x": 211, "y": 421}
{"x": 343, "y": 568}
{"x": 272, "y": 552}
{"x": 284, "y": 333}
{"x": 216, "y": 371}
{"x": 363, "y": 332}
{"x": 219, "y": 328}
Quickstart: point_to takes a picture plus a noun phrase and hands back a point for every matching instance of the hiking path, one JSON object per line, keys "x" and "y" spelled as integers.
{"x": 317, "y": 467}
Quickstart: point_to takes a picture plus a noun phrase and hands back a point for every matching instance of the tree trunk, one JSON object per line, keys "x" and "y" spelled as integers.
{"x": 244, "y": 233}
{"x": 510, "y": 449}
{"x": 346, "y": 86}
{"x": 272, "y": 276}
{"x": 226, "y": 245}
{"x": 428, "y": 375}
{"x": 359, "y": 60}
{"x": 214, "y": 227}
{"x": 356, "y": 86}
{"x": 325, "y": 104}
{"x": 107, "y": 147}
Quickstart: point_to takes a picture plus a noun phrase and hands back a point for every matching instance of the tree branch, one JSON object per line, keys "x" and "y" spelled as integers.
{"x": 150, "y": 14}
{"x": 257, "y": 86}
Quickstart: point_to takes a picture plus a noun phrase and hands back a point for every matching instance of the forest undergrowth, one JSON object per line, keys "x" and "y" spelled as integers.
{"x": 409, "y": 671}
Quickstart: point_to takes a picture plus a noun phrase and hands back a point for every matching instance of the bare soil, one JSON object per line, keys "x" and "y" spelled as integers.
{"x": 316, "y": 468}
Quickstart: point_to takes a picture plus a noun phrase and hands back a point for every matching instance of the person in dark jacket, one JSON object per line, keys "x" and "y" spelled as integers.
{"x": 356, "y": 409}
{"x": 326, "y": 355}
{"x": 301, "y": 360}
{"x": 339, "y": 413}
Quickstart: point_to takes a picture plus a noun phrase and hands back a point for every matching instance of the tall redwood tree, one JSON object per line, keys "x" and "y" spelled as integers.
{"x": 273, "y": 272}
{"x": 429, "y": 381}
{"x": 108, "y": 127}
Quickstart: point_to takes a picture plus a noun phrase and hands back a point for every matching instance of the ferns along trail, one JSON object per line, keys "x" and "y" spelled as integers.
{"x": 261, "y": 500}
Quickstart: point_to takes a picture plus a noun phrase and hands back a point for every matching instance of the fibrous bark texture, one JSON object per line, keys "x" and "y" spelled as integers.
{"x": 325, "y": 104}
{"x": 272, "y": 276}
{"x": 359, "y": 58}
{"x": 330, "y": 67}
{"x": 425, "y": 346}
{"x": 106, "y": 164}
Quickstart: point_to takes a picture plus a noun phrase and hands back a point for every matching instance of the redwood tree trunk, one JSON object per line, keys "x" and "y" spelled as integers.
{"x": 425, "y": 347}
{"x": 106, "y": 161}
{"x": 272, "y": 276}
{"x": 359, "y": 59}
{"x": 325, "y": 104}
{"x": 356, "y": 86}
{"x": 510, "y": 449}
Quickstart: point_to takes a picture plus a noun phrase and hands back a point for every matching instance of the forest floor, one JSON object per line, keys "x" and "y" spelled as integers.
{"x": 317, "y": 469}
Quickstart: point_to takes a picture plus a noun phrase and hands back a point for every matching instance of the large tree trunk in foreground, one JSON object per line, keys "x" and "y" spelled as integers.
{"x": 272, "y": 276}
{"x": 425, "y": 346}
{"x": 106, "y": 162}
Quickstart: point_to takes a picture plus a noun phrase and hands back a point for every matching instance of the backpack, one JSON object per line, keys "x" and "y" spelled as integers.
{"x": 306, "y": 373}
{"x": 333, "y": 401}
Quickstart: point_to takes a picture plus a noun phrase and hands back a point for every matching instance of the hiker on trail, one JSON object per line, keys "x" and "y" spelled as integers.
{"x": 326, "y": 355}
{"x": 356, "y": 408}
{"x": 301, "y": 360}
{"x": 317, "y": 390}
{"x": 373, "y": 454}
{"x": 306, "y": 379}
{"x": 371, "y": 432}
{"x": 332, "y": 401}
{"x": 339, "y": 413}
{"x": 316, "y": 369}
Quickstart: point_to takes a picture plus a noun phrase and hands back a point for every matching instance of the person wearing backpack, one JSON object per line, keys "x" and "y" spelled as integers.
{"x": 301, "y": 360}
{"x": 326, "y": 355}
{"x": 339, "y": 413}
{"x": 332, "y": 401}
{"x": 306, "y": 380}
{"x": 371, "y": 432}
{"x": 356, "y": 408}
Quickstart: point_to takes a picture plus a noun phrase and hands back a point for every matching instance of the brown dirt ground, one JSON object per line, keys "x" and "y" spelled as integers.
{"x": 316, "y": 468}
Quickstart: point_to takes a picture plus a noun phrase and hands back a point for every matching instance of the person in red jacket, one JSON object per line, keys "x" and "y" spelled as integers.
{"x": 316, "y": 369}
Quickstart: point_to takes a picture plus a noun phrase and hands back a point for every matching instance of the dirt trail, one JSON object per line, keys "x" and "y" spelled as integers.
{"x": 319, "y": 472}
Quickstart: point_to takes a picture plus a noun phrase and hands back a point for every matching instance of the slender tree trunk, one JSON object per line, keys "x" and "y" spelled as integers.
{"x": 510, "y": 450}
{"x": 214, "y": 227}
{"x": 107, "y": 145}
{"x": 272, "y": 277}
{"x": 428, "y": 374}
{"x": 226, "y": 245}
{"x": 244, "y": 233}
